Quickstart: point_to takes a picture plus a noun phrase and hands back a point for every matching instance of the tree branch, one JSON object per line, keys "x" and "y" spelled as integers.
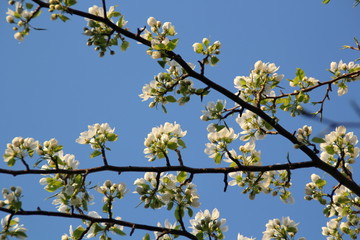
{"x": 318, "y": 163}
{"x": 100, "y": 220}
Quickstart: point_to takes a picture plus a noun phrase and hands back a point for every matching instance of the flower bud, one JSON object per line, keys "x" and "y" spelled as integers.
{"x": 198, "y": 47}
{"x": 206, "y": 41}
{"x": 53, "y": 16}
{"x": 108, "y": 183}
{"x": 155, "y": 55}
{"x": 10, "y": 19}
{"x": 18, "y": 36}
{"x": 151, "y": 21}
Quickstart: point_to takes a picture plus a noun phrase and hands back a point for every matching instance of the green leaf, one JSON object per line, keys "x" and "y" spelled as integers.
{"x": 179, "y": 213}
{"x": 317, "y": 140}
{"x": 200, "y": 235}
{"x": 124, "y": 45}
{"x": 172, "y": 44}
{"x": 190, "y": 212}
{"x": 320, "y": 183}
{"x": 217, "y": 158}
{"x": 29, "y": 5}
{"x": 164, "y": 108}
{"x": 105, "y": 208}
{"x": 37, "y": 13}
{"x": 95, "y": 154}
{"x": 170, "y": 206}
{"x": 63, "y": 18}
{"x": 118, "y": 231}
{"x": 162, "y": 63}
{"x": 20, "y": 235}
{"x": 213, "y": 60}
{"x": 11, "y": 162}
{"x": 325, "y": 1}
{"x": 146, "y": 237}
{"x": 70, "y": 2}
{"x": 114, "y": 14}
{"x": 172, "y": 145}
{"x": 329, "y": 149}
{"x": 181, "y": 143}
{"x": 112, "y": 137}
{"x": 78, "y": 232}
{"x": 219, "y": 106}
{"x": 170, "y": 99}
{"x": 181, "y": 177}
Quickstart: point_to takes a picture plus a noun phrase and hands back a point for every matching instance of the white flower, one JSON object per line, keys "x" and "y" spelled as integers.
{"x": 168, "y": 28}
{"x": 161, "y": 235}
{"x": 198, "y": 47}
{"x": 10, "y": 19}
{"x": 208, "y": 223}
{"x": 241, "y": 237}
{"x": 280, "y": 230}
{"x": 156, "y": 55}
{"x": 151, "y": 21}
{"x": 19, "y": 36}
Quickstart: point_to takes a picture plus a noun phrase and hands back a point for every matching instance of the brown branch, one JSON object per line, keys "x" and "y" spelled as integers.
{"x": 347, "y": 75}
{"x": 100, "y": 220}
{"x": 318, "y": 163}
{"x": 179, "y": 157}
{"x": 265, "y": 168}
{"x": 103, "y": 155}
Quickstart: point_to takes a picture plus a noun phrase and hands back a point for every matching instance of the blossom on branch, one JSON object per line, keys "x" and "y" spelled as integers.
{"x": 208, "y": 225}
{"x": 163, "y": 138}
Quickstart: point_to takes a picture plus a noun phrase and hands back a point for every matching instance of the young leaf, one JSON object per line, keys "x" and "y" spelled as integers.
{"x": 317, "y": 140}
{"x": 124, "y": 45}
{"x": 170, "y": 99}
{"x": 181, "y": 177}
{"x": 95, "y": 154}
{"x": 146, "y": 237}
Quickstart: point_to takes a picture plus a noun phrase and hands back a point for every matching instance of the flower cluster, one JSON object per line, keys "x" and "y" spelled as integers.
{"x": 12, "y": 228}
{"x": 302, "y": 81}
{"x": 162, "y": 235}
{"x": 209, "y": 50}
{"x": 12, "y": 198}
{"x": 111, "y": 191}
{"x": 220, "y": 137}
{"x": 159, "y": 38}
{"x": 97, "y": 136}
{"x": 101, "y": 35}
{"x": 338, "y": 69}
{"x": 253, "y": 126}
{"x": 213, "y": 110}
{"x": 303, "y": 134}
{"x": 279, "y": 230}
{"x": 167, "y": 189}
{"x": 208, "y": 225}
{"x": 95, "y": 229}
{"x": 249, "y": 155}
{"x": 21, "y": 17}
{"x": 260, "y": 83}
{"x": 172, "y": 81}
{"x": 163, "y": 138}
{"x": 72, "y": 192}
{"x": 19, "y": 148}
{"x": 342, "y": 208}
{"x": 72, "y": 195}
{"x": 274, "y": 182}
{"x": 338, "y": 148}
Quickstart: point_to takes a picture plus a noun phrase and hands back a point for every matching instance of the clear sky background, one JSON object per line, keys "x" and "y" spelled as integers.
{"x": 53, "y": 85}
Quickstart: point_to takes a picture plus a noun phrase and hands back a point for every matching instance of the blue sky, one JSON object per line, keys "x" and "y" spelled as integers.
{"x": 53, "y": 85}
